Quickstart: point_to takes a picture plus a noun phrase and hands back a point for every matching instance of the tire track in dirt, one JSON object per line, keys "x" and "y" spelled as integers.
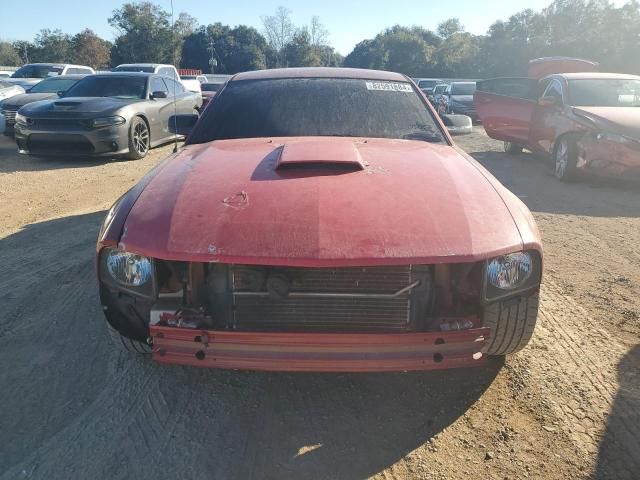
{"x": 580, "y": 372}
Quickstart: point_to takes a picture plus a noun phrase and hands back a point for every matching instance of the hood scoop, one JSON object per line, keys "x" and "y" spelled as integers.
{"x": 338, "y": 155}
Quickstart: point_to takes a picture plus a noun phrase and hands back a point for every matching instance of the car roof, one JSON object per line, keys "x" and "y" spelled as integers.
{"x": 154, "y": 65}
{"x": 127, "y": 74}
{"x": 319, "y": 72}
{"x": 69, "y": 76}
{"x": 595, "y": 76}
{"x": 463, "y": 83}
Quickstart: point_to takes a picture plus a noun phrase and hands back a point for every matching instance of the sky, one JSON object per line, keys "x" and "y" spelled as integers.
{"x": 348, "y": 21}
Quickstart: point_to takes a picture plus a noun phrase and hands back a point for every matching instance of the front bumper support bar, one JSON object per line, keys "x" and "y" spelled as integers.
{"x": 319, "y": 352}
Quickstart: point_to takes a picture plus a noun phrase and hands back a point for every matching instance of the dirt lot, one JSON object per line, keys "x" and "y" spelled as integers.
{"x": 568, "y": 406}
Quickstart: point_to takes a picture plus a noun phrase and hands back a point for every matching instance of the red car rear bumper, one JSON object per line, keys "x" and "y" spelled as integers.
{"x": 319, "y": 352}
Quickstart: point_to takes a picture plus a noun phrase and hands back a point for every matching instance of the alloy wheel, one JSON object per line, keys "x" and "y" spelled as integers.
{"x": 562, "y": 158}
{"x": 141, "y": 138}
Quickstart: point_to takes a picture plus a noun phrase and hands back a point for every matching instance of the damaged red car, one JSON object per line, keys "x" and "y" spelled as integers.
{"x": 588, "y": 122}
{"x": 320, "y": 220}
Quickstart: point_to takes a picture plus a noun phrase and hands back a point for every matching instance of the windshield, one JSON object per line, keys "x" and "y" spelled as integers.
{"x": 317, "y": 107}
{"x": 188, "y": 77}
{"x": 53, "y": 85}
{"x": 463, "y": 88}
{"x": 606, "y": 92}
{"x": 211, "y": 87}
{"x": 439, "y": 89}
{"x": 133, "y": 68}
{"x": 113, "y": 86}
{"x": 37, "y": 71}
{"x": 427, "y": 83}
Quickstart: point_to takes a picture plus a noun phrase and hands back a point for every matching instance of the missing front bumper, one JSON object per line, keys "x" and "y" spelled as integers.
{"x": 319, "y": 352}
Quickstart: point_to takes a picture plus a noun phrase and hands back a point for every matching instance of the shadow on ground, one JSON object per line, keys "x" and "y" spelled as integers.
{"x": 619, "y": 456}
{"x": 531, "y": 178}
{"x": 73, "y": 407}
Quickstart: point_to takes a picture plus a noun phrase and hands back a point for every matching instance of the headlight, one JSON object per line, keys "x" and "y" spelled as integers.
{"x": 105, "y": 122}
{"x": 21, "y": 119}
{"x": 127, "y": 271}
{"x": 613, "y": 137}
{"x": 512, "y": 273}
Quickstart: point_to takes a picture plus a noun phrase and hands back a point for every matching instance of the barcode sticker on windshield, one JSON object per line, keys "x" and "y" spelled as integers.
{"x": 389, "y": 87}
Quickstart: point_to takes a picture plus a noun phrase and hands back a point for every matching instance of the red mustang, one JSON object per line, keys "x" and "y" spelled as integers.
{"x": 588, "y": 122}
{"x": 320, "y": 219}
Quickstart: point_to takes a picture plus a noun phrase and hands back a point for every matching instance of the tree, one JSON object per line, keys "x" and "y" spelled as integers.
{"x": 450, "y": 27}
{"x": 52, "y": 46}
{"x": 25, "y": 50}
{"x": 234, "y": 50}
{"x": 318, "y": 34}
{"x": 90, "y": 49}
{"x": 279, "y": 30}
{"x": 9, "y": 56}
{"x": 299, "y": 52}
{"x": 146, "y": 34}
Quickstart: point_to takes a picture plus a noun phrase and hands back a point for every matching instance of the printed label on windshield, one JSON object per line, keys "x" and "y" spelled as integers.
{"x": 389, "y": 87}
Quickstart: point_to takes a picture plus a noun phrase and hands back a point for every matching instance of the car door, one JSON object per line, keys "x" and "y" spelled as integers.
{"x": 505, "y": 106}
{"x": 159, "y": 109}
{"x": 547, "y": 117}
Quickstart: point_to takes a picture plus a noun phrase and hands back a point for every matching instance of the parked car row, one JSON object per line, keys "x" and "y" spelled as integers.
{"x": 61, "y": 109}
{"x": 450, "y": 97}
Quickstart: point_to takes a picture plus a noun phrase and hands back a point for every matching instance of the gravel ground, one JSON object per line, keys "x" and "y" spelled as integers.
{"x": 568, "y": 406}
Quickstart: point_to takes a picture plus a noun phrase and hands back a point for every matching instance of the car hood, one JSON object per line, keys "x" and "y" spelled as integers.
{"x": 24, "y": 98}
{"x": 622, "y": 120}
{"x": 80, "y": 105}
{"x": 413, "y": 202}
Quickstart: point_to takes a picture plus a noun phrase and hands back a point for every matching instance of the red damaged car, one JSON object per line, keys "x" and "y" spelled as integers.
{"x": 588, "y": 122}
{"x": 321, "y": 220}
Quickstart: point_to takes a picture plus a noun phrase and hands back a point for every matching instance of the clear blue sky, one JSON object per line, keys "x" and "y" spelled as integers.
{"x": 348, "y": 21}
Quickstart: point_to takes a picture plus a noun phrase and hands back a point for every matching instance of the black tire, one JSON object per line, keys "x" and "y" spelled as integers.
{"x": 565, "y": 158}
{"x": 511, "y": 322}
{"x": 127, "y": 344}
{"x": 139, "y": 139}
{"x": 512, "y": 148}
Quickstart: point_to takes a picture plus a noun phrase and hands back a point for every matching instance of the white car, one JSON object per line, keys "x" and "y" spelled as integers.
{"x": 159, "y": 68}
{"x": 8, "y": 89}
{"x": 200, "y": 78}
{"x": 30, "y": 74}
{"x": 192, "y": 84}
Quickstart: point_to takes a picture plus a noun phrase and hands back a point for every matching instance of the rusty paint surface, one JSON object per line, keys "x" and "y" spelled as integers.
{"x": 321, "y": 352}
{"x": 432, "y": 204}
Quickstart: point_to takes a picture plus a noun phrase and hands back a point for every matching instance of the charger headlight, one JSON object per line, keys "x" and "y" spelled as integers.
{"x": 20, "y": 119}
{"x": 105, "y": 121}
{"x": 512, "y": 273}
{"x": 127, "y": 271}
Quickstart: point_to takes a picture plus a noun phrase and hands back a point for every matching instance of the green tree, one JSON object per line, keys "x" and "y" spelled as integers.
{"x": 9, "y": 56}
{"x": 145, "y": 34}
{"x": 89, "y": 49}
{"x": 52, "y": 46}
{"x": 233, "y": 49}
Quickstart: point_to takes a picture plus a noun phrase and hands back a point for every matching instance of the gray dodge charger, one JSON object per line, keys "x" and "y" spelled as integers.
{"x": 112, "y": 114}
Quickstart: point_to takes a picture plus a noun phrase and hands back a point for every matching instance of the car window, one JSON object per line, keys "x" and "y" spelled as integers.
{"x": 605, "y": 92}
{"x": 79, "y": 71}
{"x": 525, "y": 88}
{"x": 37, "y": 71}
{"x": 463, "y": 88}
{"x": 317, "y": 107}
{"x": 53, "y": 85}
{"x": 158, "y": 85}
{"x": 175, "y": 88}
{"x": 116, "y": 86}
{"x": 554, "y": 90}
{"x": 133, "y": 68}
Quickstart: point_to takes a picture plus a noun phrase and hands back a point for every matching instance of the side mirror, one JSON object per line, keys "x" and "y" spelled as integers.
{"x": 182, "y": 124}
{"x": 60, "y": 93}
{"x": 158, "y": 94}
{"x": 547, "y": 101}
{"x": 457, "y": 124}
